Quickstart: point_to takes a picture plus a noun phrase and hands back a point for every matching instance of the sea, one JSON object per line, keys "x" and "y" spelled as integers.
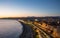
{"x": 10, "y": 28}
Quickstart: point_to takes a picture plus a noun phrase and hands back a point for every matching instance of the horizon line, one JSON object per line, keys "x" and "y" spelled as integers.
{"x": 30, "y": 16}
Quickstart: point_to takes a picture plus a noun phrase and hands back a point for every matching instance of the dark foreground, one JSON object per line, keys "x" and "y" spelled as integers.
{"x": 27, "y": 31}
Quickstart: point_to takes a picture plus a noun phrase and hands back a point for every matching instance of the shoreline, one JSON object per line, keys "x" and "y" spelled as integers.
{"x": 27, "y": 31}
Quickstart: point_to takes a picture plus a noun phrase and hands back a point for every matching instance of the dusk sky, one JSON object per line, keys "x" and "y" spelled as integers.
{"x": 23, "y": 8}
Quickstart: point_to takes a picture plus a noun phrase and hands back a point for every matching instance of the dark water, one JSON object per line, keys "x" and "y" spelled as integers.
{"x": 10, "y": 29}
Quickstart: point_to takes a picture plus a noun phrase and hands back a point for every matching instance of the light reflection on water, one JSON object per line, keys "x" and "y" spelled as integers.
{"x": 10, "y": 29}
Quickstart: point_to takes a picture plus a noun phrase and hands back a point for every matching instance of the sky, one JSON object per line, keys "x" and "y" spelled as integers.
{"x": 24, "y": 8}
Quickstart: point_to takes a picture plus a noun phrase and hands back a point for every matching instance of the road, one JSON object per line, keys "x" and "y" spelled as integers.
{"x": 28, "y": 32}
{"x": 43, "y": 34}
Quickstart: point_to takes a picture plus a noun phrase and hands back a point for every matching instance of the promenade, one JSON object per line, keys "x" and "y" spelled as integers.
{"x": 27, "y": 31}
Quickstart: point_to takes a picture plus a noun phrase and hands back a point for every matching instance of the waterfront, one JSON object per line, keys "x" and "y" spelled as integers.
{"x": 36, "y": 27}
{"x": 10, "y": 28}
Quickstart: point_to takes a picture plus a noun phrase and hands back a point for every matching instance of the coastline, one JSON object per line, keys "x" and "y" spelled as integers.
{"x": 27, "y": 31}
